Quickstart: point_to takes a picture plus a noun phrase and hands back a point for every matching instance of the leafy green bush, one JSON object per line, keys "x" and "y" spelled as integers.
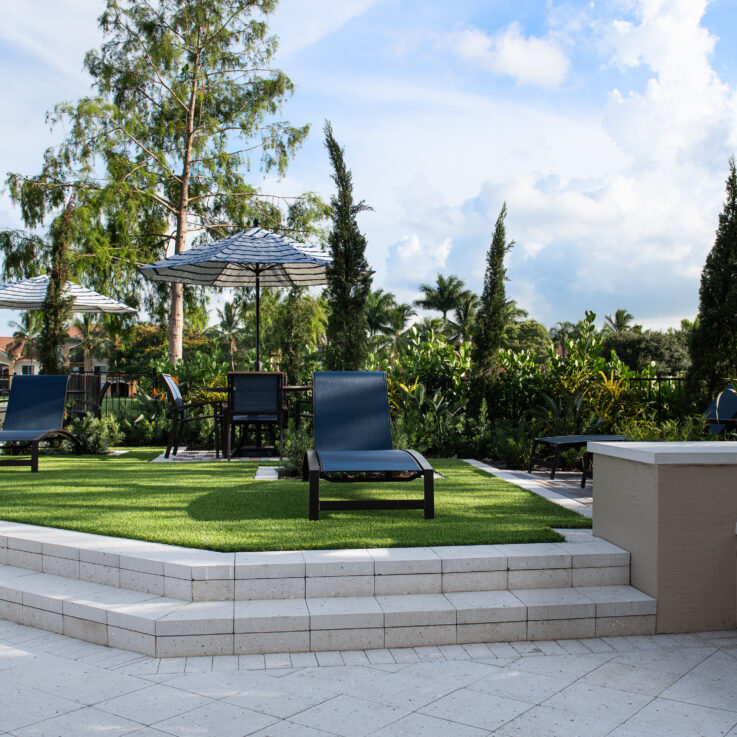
{"x": 95, "y": 435}
{"x": 297, "y": 441}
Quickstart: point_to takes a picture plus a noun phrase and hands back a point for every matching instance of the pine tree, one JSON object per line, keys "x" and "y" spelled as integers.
{"x": 348, "y": 276}
{"x": 713, "y": 344}
{"x": 492, "y": 315}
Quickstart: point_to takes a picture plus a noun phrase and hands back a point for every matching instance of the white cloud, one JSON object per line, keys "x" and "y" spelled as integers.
{"x": 301, "y": 23}
{"x": 529, "y": 60}
{"x": 412, "y": 260}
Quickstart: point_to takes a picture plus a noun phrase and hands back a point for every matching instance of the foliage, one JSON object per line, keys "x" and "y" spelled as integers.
{"x": 460, "y": 330}
{"x": 144, "y": 419}
{"x": 299, "y": 330}
{"x": 528, "y": 335}
{"x": 445, "y": 296}
{"x": 620, "y": 322}
{"x": 185, "y": 101}
{"x": 348, "y": 275}
{"x": 491, "y": 318}
{"x": 564, "y": 414}
{"x": 668, "y": 350}
{"x": 651, "y": 429}
{"x": 97, "y": 435}
{"x": 714, "y": 338}
{"x": 297, "y": 441}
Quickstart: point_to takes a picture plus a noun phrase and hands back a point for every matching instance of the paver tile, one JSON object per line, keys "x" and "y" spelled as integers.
{"x": 349, "y": 716}
{"x": 406, "y": 691}
{"x": 153, "y": 704}
{"x": 665, "y": 718}
{"x": 21, "y": 705}
{"x": 280, "y": 698}
{"x": 513, "y": 683}
{"x": 75, "y": 681}
{"x": 422, "y": 725}
{"x": 630, "y": 678}
{"x": 221, "y": 719}
{"x": 291, "y": 729}
{"x": 465, "y": 706}
{"x": 605, "y": 704}
{"x": 568, "y": 667}
{"x": 711, "y": 683}
{"x": 87, "y": 722}
{"x": 544, "y": 721}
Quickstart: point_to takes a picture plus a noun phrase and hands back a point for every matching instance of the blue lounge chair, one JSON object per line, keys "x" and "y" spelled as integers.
{"x": 35, "y": 412}
{"x": 353, "y": 440}
{"x": 721, "y": 412}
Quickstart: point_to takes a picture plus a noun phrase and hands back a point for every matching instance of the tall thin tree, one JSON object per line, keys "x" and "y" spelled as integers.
{"x": 713, "y": 344}
{"x": 492, "y": 315}
{"x": 348, "y": 276}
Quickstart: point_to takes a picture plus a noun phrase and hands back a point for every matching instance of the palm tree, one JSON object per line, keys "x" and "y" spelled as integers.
{"x": 91, "y": 338}
{"x": 429, "y": 326}
{"x": 460, "y": 330}
{"x": 399, "y": 317}
{"x": 230, "y": 328}
{"x": 443, "y": 297}
{"x": 620, "y": 323}
{"x": 378, "y": 308}
{"x": 25, "y": 336}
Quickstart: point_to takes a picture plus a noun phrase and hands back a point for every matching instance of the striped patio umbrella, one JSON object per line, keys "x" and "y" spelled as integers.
{"x": 29, "y": 294}
{"x": 253, "y": 258}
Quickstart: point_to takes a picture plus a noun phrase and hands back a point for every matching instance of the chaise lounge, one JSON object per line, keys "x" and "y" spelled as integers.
{"x": 35, "y": 413}
{"x": 353, "y": 442}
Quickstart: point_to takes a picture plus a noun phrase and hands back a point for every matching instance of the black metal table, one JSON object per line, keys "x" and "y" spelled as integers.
{"x": 564, "y": 442}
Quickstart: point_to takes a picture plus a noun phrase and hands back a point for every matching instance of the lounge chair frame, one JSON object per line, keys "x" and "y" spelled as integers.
{"x": 21, "y": 429}
{"x": 313, "y": 469}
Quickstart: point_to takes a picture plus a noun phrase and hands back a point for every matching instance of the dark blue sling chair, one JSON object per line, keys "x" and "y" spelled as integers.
{"x": 35, "y": 412}
{"x": 721, "y": 412}
{"x": 353, "y": 440}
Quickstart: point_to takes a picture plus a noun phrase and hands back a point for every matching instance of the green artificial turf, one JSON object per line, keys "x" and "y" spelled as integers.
{"x": 219, "y": 506}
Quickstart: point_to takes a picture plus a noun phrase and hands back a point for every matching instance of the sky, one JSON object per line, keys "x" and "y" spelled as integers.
{"x": 606, "y": 127}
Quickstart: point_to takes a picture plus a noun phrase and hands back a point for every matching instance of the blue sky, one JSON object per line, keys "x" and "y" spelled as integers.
{"x": 606, "y": 126}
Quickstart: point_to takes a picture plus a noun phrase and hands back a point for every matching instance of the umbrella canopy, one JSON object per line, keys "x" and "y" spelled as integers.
{"x": 253, "y": 258}
{"x": 29, "y": 294}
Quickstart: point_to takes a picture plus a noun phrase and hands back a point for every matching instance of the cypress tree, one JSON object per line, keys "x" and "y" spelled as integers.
{"x": 713, "y": 344}
{"x": 348, "y": 276}
{"x": 491, "y": 318}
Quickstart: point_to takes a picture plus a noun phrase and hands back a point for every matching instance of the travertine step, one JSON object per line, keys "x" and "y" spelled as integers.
{"x": 162, "y": 627}
{"x": 201, "y": 575}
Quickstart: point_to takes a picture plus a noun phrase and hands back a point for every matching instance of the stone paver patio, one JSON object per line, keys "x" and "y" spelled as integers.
{"x": 669, "y": 685}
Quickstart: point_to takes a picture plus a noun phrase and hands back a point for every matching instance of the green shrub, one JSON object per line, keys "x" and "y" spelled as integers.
{"x": 297, "y": 441}
{"x": 95, "y": 435}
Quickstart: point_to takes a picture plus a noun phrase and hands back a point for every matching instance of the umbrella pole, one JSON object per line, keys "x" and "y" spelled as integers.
{"x": 258, "y": 322}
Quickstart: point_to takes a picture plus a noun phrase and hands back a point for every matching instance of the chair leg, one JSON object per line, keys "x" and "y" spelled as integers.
{"x": 34, "y": 457}
{"x": 429, "y": 480}
{"x": 314, "y": 495}
{"x": 555, "y": 462}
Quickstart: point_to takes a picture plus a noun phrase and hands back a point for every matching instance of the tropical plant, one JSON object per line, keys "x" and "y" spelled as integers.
{"x": 444, "y": 296}
{"x": 90, "y": 339}
{"x": 620, "y": 322}
{"x": 230, "y": 329}
{"x": 379, "y": 305}
{"x": 461, "y": 329}
{"x": 25, "y": 334}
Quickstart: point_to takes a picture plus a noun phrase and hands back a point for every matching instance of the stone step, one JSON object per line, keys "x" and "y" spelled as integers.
{"x": 201, "y": 575}
{"x": 168, "y": 627}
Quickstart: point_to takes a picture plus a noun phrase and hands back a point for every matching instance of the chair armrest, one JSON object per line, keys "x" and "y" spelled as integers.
{"x": 312, "y": 463}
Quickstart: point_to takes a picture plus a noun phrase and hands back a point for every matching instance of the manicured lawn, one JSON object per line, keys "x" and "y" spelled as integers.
{"x": 219, "y": 506}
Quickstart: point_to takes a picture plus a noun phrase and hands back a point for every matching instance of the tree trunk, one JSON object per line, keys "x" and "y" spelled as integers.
{"x": 176, "y": 323}
{"x": 176, "y": 316}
